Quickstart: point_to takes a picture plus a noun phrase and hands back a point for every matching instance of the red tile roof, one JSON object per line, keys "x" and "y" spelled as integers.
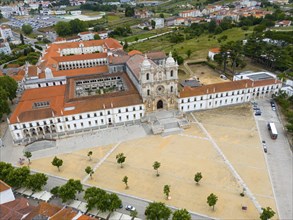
{"x": 32, "y": 71}
{"x": 3, "y": 186}
{"x": 64, "y": 214}
{"x": 133, "y": 52}
{"x": 80, "y": 57}
{"x": 215, "y": 50}
{"x": 225, "y": 87}
{"x": 15, "y": 210}
{"x": 43, "y": 209}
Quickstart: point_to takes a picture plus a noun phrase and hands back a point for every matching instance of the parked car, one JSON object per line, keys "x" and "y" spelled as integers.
{"x": 257, "y": 113}
{"x": 264, "y": 145}
{"x": 272, "y": 103}
{"x": 273, "y": 108}
{"x": 256, "y": 108}
{"x": 130, "y": 208}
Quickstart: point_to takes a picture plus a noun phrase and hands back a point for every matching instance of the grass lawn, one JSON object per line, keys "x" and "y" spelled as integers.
{"x": 199, "y": 46}
{"x": 112, "y": 18}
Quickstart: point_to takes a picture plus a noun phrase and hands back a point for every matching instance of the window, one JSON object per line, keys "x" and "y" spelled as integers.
{"x": 148, "y": 92}
{"x": 81, "y": 124}
{"x": 147, "y": 76}
{"x": 60, "y": 127}
{"x": 95, "y": 114}
{"x": 66, "y": 119}
{"x": 127, "y": 117}
{"x": 140, "y": 114}
{"x": 133, "y": 109}
{"x": 96, "y": 121}
{"x": 41, "y": 104}
{"x": 23, "y": 126}
{"x": 31, "y": 124}
{"x": 17, "y": 134}
{"x": 90, "y": 124}
{"x": 51, "y": 121}
{"x": 101, "y": 113}
{"x": 126, "y": 110}
{"x": 119, "y": 111}
{"x": 74, "y": 125}
{"x": 59, "y": 120}
{"x": 68, "y": 126}
{"x": 171, "y": 89}
{"x": 15, "y": 127}
{"x": 38, "y": 124}
{"x": 171, "y": 73}
{"x": 88, "y": 115}
{"x": 120, "y": 118}
{"x": 73, "y": 118}
{"x": 109, "y": 112}
{"x": 102, "y": 121}
{"x": 140, "y": 107}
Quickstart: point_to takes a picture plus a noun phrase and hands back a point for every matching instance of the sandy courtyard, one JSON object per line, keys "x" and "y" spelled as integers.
{"x": 205, "y": 74}
{"x": 181, "y": 156}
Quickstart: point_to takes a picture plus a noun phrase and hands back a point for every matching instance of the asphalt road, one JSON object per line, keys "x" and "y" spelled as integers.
{"x": 139, "y": 203}
{"x": 278, "y": 158}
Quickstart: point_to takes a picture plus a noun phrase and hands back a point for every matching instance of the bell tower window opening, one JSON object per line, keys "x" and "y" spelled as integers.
{"x": 171, "y": 73}
{"x": 147, "y": 76}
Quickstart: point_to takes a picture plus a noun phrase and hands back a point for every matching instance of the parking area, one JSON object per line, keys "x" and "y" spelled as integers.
{"x": 36, "y": 21}
{"x": 278, "y": 157}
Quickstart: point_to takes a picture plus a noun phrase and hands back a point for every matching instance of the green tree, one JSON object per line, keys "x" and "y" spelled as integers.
{"x": 63, "y": 28}
{"x": 212, "y": 200}
{"x": 153, "y": 24}
{"x": 28, "y": 155}
{"x": 21, "y": 38}
{"x": 129, "y": 11}
{"x": 97, "y": 37}
{"x": 120, "y": 159}
{"x": 162, "y": 15}
{"x": 89, "y": 171}
{"x": 4, "y": 105}
{"x": 77, "y": 26}
{"x": 89, "y": 154}
{"x": 181, "y": 214}
{"x": 113, "y": 203}
{"x": 36, "y": 181}
{"x": 133, "y": 214}
{"x": 17, "y": 177}
{"x": 156, "y": 167}
{"x": 212, "y": 26}
{"x": 27, "y": 29}
{"x": 125, "y": 180}
{"x": 57, "y": 162}
{"x": 197, "y": 177}
{"x": 9, "y": 85}
{"x": 157, "y": 210}
{"x": 5, "y": 169}
{"x": 69, "y": 190}
{"x": 92, "y": 196}
{"x": 167, "y": 191}
{"x": 267, "y": 213}
{"x": 188, "y": 53}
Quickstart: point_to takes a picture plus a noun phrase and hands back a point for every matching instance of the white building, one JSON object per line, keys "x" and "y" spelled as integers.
{"x": 66, "y": 94}
{"x": 5, "y": 32}
{"x": 159, "y": 22}
{"x": 6, "y": 194}
{"x": 86, "y": 35}
{"x": 5, "y": 48}
{"x": 213, "y": 52}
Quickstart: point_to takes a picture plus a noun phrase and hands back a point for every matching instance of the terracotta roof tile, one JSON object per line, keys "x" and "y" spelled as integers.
{"x": 83, "y": 71}
{"x": 64, "y": 214}
{"x": 43, "y": 209}
{"x": 15, "y": 210}
{"x": 215, "y": 50}
{"x": 225, "y": 87}
{"x": 80, "y": 57}
{"x": 156, "y": 55}
{"x": 32, "y": 71}
{"x": 133, "y": 52}
{"x": 4, "y": 186}
{"x": 118, "y": 60}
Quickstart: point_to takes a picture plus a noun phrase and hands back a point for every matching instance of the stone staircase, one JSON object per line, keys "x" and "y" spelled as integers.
{"x": 166, "y": 122}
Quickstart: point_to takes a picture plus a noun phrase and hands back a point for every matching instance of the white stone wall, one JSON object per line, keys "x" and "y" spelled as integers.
{"x": 215, "y": 100}
{"x": 76, "y": 122}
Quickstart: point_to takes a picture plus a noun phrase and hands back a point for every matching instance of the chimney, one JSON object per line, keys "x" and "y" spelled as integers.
{"x": 104, "y": 106}
{"x": 17, "y": 119}
{"x": 207, "y": 91}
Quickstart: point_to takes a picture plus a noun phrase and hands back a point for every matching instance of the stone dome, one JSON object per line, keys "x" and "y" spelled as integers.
{"x": 170, "y": 59}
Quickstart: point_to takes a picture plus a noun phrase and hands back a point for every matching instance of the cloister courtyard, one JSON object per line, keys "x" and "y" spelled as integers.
{"x": 182, "y": 155}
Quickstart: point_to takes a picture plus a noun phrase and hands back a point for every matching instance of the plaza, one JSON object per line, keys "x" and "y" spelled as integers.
{"x": 181, "y": 156}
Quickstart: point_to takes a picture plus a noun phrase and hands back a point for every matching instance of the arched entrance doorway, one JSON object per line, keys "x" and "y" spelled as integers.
{"x": 159, "y": 104}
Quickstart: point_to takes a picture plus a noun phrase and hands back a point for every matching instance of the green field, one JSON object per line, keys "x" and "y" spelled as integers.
{"x": 199, "y": 46}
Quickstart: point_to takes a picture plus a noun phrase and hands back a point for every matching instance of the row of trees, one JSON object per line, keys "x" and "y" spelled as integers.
{"x": 69, "y": 28}
{"x": 8, "y": 87}
{"x": 21, "y": 177}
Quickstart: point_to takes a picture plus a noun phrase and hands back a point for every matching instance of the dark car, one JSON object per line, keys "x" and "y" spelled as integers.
{"x": 257, "y": 113}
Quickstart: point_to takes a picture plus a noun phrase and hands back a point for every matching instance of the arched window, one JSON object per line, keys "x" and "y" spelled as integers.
{"x": 171, "y": 88}
{"x": 147, "y": 76}
{"x": 171, "y": 73}
{"x": 148, "y": 92}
